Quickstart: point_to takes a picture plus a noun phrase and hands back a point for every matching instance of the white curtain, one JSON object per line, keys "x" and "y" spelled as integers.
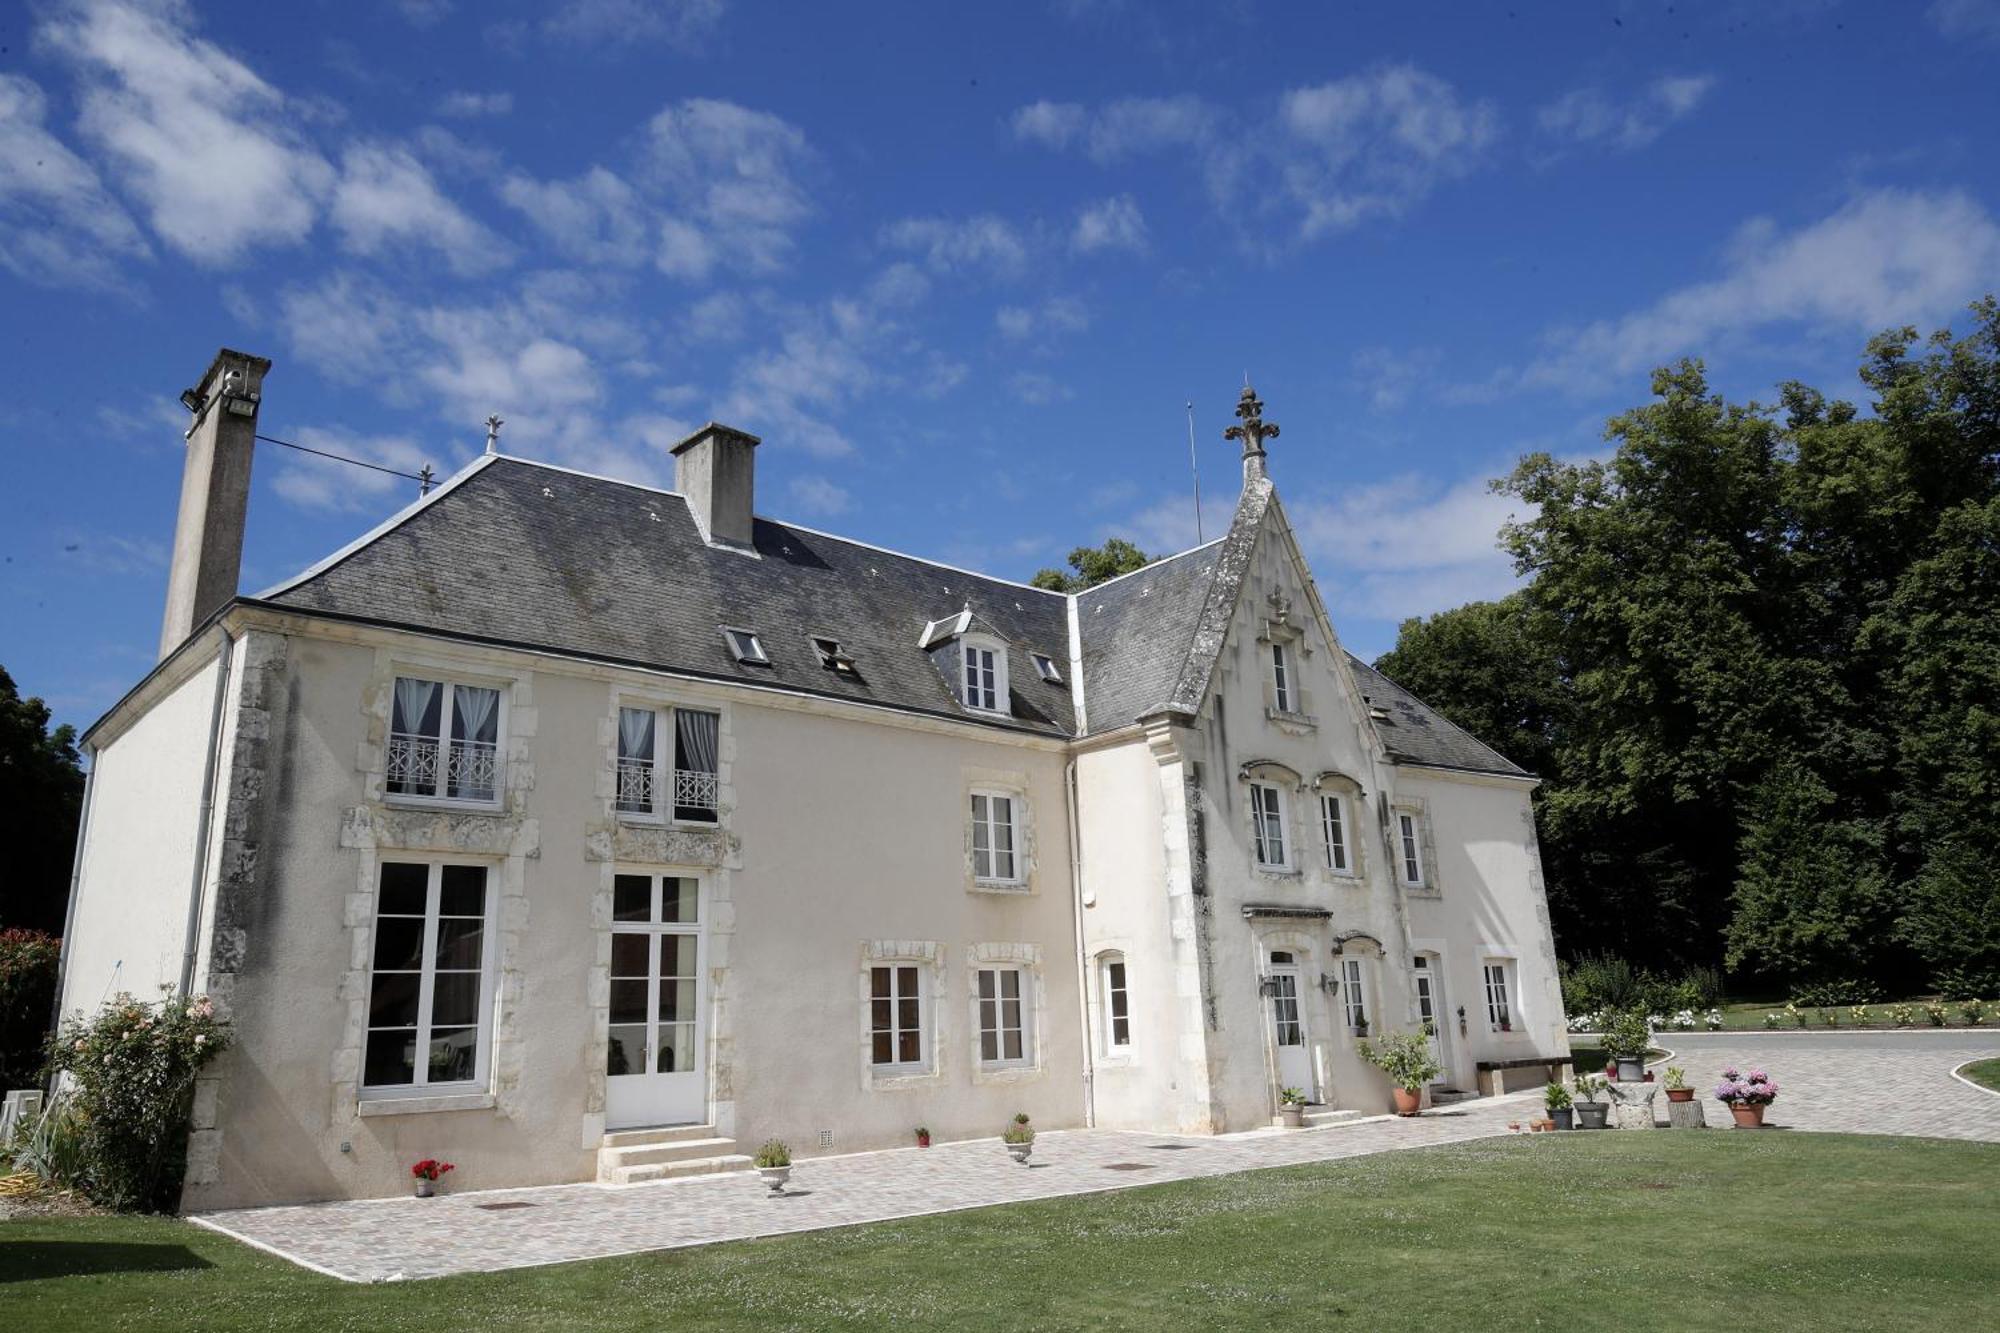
{"x": 413, "y": 700}
{"x": 697, "y": 740}
{"x": 635, "y": 733}
{"x": 477, "y": 712}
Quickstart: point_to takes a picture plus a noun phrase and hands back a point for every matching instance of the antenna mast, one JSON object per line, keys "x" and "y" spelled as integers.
{"x": 1199, "y": 539}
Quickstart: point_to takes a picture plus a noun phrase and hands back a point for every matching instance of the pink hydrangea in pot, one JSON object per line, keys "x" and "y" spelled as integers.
{"x": 1746, "y": 1095}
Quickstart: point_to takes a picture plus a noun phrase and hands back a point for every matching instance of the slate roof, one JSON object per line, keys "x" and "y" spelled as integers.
{"x": 525, "y": 554}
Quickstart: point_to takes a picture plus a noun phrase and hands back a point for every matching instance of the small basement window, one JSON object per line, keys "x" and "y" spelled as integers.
{"x": 831, "y": 657}
{"x": 1046, "y": 665}
{"x": 748, "y": 649}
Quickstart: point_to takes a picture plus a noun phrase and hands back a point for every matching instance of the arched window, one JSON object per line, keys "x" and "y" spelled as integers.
{"x": 1117, "y": 1003}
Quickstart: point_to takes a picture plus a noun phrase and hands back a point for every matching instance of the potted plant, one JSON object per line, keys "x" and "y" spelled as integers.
{"x": 1406, "y": 1058}
{"x": 1292, "y": 1107}
{"x": 1677, "y": 1085}
{"x": 1590, "y": 1112}
{"x": 1556, "y": 1098}
{"x": 427, "y": 1174}
{"x": 923, "y": 1137}
{"x": 1627, "y": 1037}
{"x": 1746, "y": 1095}
{"x": 1019, "y": 1138}
{"x": 774, "y": 1164}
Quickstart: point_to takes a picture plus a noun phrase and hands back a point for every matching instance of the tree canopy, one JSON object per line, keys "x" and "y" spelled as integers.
{"x": 41, "y": 796}
{"x": 1092, "y": 565}
{"x": 1757, "y": 663}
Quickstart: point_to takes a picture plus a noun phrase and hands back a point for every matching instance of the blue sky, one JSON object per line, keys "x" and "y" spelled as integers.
{"x": 960, "y": 266}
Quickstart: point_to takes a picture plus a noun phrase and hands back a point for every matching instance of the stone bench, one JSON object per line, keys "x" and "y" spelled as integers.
{"x": 1493, "y": 1073}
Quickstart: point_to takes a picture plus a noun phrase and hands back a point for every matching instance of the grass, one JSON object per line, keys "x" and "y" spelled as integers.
{"x": 1806, "y": 1231}
{"x": 1737, "y": 1017}
{"x": 1986, "y": 1073}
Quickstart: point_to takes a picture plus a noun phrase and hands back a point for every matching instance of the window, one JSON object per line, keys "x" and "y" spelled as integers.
{"x": 1046, "y": 667}
{"x": 1285, "y": 1000}
{"x": 646, "y": 787}
{"x": 896, "y": 1017}
{"x": 1498, "y": 1012}
{"x": 745, "y": 646}
{"x": 428, "y": 990}
{"x": 1412, "y": 852}
{"x": 1003, "y": 1016}
{"x": 1354, "y": 992}
{"x": 1117, "y": 1003}
{"x": 444, "y": 741}
{"x": 831, "y": 657}
{"x": 1333, "y": 825}
{"x": 1267, "y": 821}
{"x": 995, "y": 838}
{"x": 1281, "y": 678}
{"x": 982, "y": 676}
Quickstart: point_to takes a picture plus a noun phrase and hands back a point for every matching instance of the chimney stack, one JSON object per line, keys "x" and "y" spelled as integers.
{"x": 215, "y": 493}
{"x": 717, "y": 471}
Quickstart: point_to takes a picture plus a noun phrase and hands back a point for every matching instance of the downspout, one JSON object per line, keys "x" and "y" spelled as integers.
{"x": 1082, "y": 956}
{"x": 69, "y": 908}
{"x": 224, "y": 661}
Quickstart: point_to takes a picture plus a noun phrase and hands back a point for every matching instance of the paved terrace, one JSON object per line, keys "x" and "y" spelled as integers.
{"x": 1880, "y": 1083}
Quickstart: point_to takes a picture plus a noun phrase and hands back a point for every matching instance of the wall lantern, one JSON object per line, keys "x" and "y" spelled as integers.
{"x": 1329, "y": 983}
{"x": 1268, "y": 988}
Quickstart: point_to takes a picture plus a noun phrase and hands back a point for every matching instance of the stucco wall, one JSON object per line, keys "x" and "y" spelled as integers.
{"x": 138, "y": 855}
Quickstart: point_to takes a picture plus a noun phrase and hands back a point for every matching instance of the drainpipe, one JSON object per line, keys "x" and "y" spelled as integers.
{"x": 1082, "y": 957}
{"x": 69, "y": 908}
{"x": 224, "y": 660}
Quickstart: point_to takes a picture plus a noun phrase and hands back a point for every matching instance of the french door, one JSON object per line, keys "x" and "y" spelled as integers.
{"x": 656, "y": 1063}
{"x": 1288, "y": 1024}
{"x": 1430, "y": 1009}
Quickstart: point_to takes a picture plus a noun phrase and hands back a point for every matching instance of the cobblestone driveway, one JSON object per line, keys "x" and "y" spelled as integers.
{"x": 1893, "y": 1084}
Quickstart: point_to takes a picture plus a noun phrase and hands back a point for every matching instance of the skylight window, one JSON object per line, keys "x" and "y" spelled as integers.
{"x": 746, "y": 646}
{"x": 832, "y": 657}
{"x": 1046, "y": 665}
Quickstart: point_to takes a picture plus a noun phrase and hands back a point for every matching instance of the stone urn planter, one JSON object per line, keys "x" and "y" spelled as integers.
{"x": 774, "y": 1165}
{"x": 1292, "y": 1115}
{"x": 1590, "y": 1115}
{"x": 775, "y": 1177}
{"x": 1631, "y": 1071}
{"x": 1407, "y": 1102}
{"x": 1021, "y": 1151}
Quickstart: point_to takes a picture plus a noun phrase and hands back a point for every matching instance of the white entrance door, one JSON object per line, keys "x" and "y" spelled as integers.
{"x": 1288, "y": 1024}
{"x": 656, "y": 1068}
{"x": 1431, "y": 1010}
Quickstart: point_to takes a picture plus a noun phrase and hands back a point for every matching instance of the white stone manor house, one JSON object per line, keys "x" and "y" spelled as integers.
{"x": 572, "y": 829}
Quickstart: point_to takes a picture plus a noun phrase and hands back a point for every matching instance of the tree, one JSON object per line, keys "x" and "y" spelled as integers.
{"x": 41, "y": 798}
{"x": 1490, "y": 669}
{"x": 1093, "y": 565}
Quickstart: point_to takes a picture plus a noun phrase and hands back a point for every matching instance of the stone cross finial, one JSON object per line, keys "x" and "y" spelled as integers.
{"x": 493, "y": 425}
{"x": 1253, "y": 431}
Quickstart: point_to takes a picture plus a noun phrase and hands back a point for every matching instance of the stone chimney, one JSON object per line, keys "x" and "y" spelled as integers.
{"x": 716, "y": 470}
{"x": 1253, "y": 431}
{"x": 215, "y": 493}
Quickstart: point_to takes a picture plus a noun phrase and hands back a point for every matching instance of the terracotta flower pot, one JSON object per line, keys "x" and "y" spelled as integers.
{"x": 1407, "y": 1102}
{"x": 923, "y": 1140}
{"x": 1680, "y": 1094}
{"x": 1748, "y": 1115}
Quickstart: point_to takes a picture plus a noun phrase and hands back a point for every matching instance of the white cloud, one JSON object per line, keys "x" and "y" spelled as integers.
{"x": 1887, "y": 257}
{"x": 58, "y": 224}
{"x": 1167, "y": 525}
{"x": 468, "y": 104}
{"x": 323, "y": 484}
{"x": 817, "y": 495}
{"x": 197, "y": 136}
{"x": 1058, "y": 314}
{"x": 1039, "y": 390}
{"x": 985, "y": 241}
{"x": 594, "y": 218}
{"x": 734, "y": 174}
{"x": 1110, "y": 224}
{"x": 386, "y": 198}
{"x": 1051, "y": 124}
{"x": 1977, "y": 19}
{"x": 682, "y": 24}
{"x": 1403, "y": 547}
{"x": 1588, "y": 116}
{"x": 1134, "y": 125}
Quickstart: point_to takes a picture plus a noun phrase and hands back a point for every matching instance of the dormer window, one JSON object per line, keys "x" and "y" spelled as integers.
{"x": 1045, "y": 666}
{"x": 832, "y": 657}
{"x": 745, "y": 646}
{"x": 984, "y": 683}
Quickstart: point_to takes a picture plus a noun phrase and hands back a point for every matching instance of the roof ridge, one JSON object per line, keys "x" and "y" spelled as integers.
{"x": 1147, "y": 567}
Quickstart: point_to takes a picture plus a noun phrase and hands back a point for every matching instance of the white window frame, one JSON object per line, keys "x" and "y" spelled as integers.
{"x": 1284, "y": 689}
{"x": 1498, "y": 976}
{"x": 1045, "y": 666}
{"x": 983, "y": 686}
{"x": 489, "y": 943}
{"x": 1273, "y": 798}
{"x": 1017, "y": 853}
{"x": 993, "y": 1008}
{"x": 1355, "y": 1000}
{"x": 1111, "y": 992}
{"x": 1333, "y": 830}
{"x": 745, "y": 646}
{"x": 666, "y": 796}
{"x": 1410, "y": 849}
{"x": 448, "y": 688}
{"x": 919, "y": 975}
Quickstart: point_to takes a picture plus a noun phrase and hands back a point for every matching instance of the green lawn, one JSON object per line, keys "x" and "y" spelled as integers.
{"x": 1986, "y": 1073}
{"x": 1739, "y": 1016}
{"x": 1789, "y": 1231}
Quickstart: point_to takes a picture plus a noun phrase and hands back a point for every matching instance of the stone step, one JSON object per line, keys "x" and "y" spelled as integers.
{"x": 652, "y": 1154}
{"x": 1329, "y": 1116}
{"x": 1446, "y": 1096}
{"x": 632, "y": 1138}
{"x": 696, "y": 1166}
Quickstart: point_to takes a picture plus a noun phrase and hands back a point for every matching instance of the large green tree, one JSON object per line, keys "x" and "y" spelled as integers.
{"x": 41, "y": 795}
{"x": 1092, "y": 565}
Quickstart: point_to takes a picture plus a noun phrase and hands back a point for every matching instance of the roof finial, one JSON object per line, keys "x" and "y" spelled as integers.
{"x": 1253, "y": 431}
{"x": 493, "y": 425}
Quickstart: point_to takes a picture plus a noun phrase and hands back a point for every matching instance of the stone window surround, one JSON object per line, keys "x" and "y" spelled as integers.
{"x": 1011, "y": 783}
{"x": 1299, "y": 718}
{"x": 928, "y": 956}
{"x": 1287, "y": 781}
{"x": 662, "y": 702}
{"x": 1096, "y": 1003}
{"x": 517, "y": 724}
{"x": 1372, "y": 956}
{"x": 479, "y": 1086}
{"x": 1354, "y": 808}
{"x": 1426, "y": 846}
{"x": 1028, "y": 958}
{"x": 1517, "y": 1012}
{"x": 448, "y": 676}
{"x": 1304, "y": 947}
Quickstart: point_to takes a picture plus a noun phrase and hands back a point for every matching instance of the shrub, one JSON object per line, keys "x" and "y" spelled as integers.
{"x": 1627, "y": 1036}
{"x": 1556, "y": 1098}
{"x": 1860, "y": 1016}
{"x": 133, "y": 1069}
{"x": 28, "y": 968}
{"x": 1972, "y": 1011}
{"x": 1773, "y": 1020}
{"x": 1903, "y": 1015}
{"x": 50, "y": 1145}
{"x": 1405, "y": 1057}
{"x": 1936, "y": 1013}
{"x": 775, "y": 1152}
{"x": 1967, "y": 983}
